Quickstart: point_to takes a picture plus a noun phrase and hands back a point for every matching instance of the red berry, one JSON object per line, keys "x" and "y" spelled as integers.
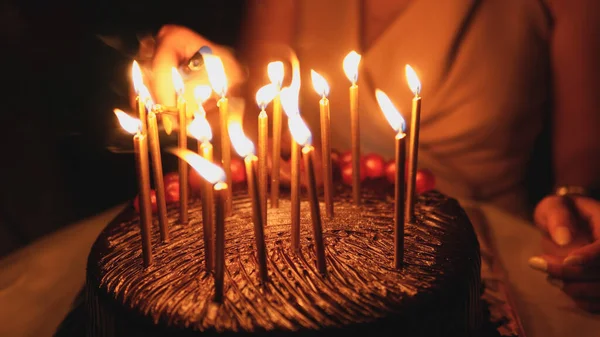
{"x": 425, "y": 181}
{"x": 171, "y": 176}
{"x": 390, "y": 171}
{"x": 335, "y": 158}
{"x": 374, "y": 165}
{"x": 345, "y": 158}
{"x": 238, "y": 170}
{"x": 347, "y": 173}
{"x": 195, "y": 181}
{"x": 136, "y": 202}
{"x": 172, "y": 191}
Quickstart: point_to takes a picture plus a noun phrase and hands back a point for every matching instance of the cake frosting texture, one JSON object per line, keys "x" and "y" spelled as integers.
{"x": 435, "y": 294}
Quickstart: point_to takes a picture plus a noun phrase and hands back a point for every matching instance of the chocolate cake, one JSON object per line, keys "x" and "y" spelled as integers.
{"x": 437, "y": 293}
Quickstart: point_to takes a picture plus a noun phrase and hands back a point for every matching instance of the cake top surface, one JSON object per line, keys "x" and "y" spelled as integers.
{"x": 361, "y": 285}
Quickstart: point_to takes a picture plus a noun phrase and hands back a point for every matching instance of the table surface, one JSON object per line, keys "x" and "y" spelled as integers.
{"x": 39, "y": 282}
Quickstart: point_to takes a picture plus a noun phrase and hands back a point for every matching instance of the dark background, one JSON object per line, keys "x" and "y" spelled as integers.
{"x": 60, "y": 85}
{"x": 63, "y": 155}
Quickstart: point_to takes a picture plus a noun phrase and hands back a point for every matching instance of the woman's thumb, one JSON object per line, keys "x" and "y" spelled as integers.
{"x": 555, "y": 216}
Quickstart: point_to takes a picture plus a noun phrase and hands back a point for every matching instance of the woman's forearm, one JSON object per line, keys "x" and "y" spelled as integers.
{"x": 575, "y": 49}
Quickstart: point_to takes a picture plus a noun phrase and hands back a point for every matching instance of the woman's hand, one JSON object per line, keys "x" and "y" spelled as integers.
{"x": 174, "y": 46}
{"x": 572, "y": 256}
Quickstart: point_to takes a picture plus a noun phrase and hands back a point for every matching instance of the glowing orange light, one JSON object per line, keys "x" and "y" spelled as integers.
{"x": 207, "y": 170}
{"x": 413, "y": 80}
{"x": 289, "y": 101}
{"x": 296, "y": 81}
{"x": 351, "y": 62}
{"x": 299, "y": 130}
{"x": 136, "y": 76}
{"x": 200, "y": 129}
{"x": 144, "y": 96}
{"x": 128, "y": 123}
{"x": 202, "y": 93}
{"x": 266, "y": 94}
{"x": 389, "y": 111}
{"x": 177, "y": 81}
{"x": 216, "y": 74}
{"x": 275, "y": 72}
{"x": 319, "y": 83}
{"x": 242, "y": 145}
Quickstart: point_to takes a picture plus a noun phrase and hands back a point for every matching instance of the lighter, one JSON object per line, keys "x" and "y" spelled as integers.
{"x": 196, "y": 62}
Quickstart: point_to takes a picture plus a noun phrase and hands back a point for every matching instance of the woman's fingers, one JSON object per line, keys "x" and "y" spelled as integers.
{"x": 557, "y": 268}
{"x": 588, "y": 255}
{"x": 585, "y": 294}
{"x": 174, "y": 45}
{"x": 554, "y": 216}
{"x": 582, "y": 290}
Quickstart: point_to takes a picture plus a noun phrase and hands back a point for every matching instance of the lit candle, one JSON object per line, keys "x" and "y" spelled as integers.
{"x": 222, "y": 192}
{"x": 159, "y": 184}
{"x": 140, "y": 105}
{"x": 218, "y": 81}
{"x": 144, "y": 100}
{"x": 295, "y": 195}
{"x": 322, "y": 88}
{"x": 275, "y": 72}
{"x": 182, "y": 143}
{"x": 202, "y": 93}
{"x": 264, "y": 95}
{"x": 289, "y": 100}
{"x": 200, "y": 129}
{"x": 140, "y": 144}
{"x": 302, "y": 135}
{"x": 350, "y": 64}
{"x": 215, "y": 176}
{"x": 244, "y": 147}
{"x": 397, "y": 123}
{"x": 413, "y": 144}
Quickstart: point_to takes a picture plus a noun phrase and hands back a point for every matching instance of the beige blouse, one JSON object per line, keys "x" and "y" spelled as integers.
{"x": 485, "y": 73}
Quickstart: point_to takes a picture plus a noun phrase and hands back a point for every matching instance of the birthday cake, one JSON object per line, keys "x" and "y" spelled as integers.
{"x": 436, "y": 293}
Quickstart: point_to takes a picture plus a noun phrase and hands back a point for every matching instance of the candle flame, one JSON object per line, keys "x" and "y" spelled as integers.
{"x": 299, "y": 130}
{"x": 289, "y": 101}
{"x": 319, "y": 83}
{"x": 207, "y": 170}
{"x": 390, "y": 112}
{"x": 136, "y": 77}
{"x": 413, "y": 80}
{"x": 128, "y": 123}
{"x": 216, "y": 74}
{"x": 275, "y": 72}
{"x": 266, "y": 94}
{"x": 351, "y": 62}
{"x": 145, "y": 97}
{"x": 202, "y": 93}
{"x": 177, "y": 81}
{"x": 200, "y": 129}
{"x": 242, "y": 145}
{"x": 296, "y": 81}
